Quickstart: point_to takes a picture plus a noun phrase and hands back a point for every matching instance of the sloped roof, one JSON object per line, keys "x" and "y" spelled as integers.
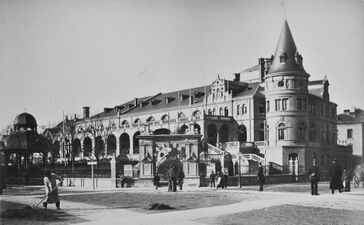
{"x": 250, "y": 90}
{"x": 355, "y": 117}
{"x": 286, "y": 47}
{"x": 345, "y": 118}
{"x": 158, "y": 101}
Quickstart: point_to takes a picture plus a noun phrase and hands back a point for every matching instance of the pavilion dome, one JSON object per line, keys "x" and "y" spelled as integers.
{"x": 25, "y": 120}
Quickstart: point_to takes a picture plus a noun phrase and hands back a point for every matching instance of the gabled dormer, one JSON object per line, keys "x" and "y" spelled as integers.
{"x": 219, "y": 91}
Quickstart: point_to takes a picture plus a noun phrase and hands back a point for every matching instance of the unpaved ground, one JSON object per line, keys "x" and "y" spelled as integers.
{"x": 288, "y": 215}
{"x": 278, "y": 204}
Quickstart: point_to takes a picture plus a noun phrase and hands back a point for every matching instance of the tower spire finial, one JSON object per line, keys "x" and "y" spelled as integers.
{"x": 284, "y": 7}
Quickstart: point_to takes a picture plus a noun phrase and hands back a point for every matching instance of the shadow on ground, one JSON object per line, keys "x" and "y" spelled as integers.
{"x": 15, "y": 213}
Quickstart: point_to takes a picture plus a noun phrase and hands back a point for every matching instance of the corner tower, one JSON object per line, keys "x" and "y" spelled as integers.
{"x": 286, "y": 92}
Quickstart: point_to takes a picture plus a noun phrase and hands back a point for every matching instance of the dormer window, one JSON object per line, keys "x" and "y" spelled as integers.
{"x": 298, "y": 58}
{"x": 282, "y": 58}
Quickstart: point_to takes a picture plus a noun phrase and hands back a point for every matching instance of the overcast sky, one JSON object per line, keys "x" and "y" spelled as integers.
{"x": 58, "y": 56}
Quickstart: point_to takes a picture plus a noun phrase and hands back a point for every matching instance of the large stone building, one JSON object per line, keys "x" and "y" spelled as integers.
{"x": 350, "y": 126}
{"x": 272, "y": 104}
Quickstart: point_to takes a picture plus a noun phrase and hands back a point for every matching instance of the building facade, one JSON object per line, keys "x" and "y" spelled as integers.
{"x": 272, "y": 104}
{"x": 350, "y": 126}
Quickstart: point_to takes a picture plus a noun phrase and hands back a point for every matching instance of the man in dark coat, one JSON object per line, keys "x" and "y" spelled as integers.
{"x": 314, "y": 177}
{"x": 226, "y": 177}
{"x": 156, "y": 180}
{"x": 260, "y": 176}
{"x": 335, "y": 174}
{"x": 212, "y": 179}
{"x": 172, "y": 179}
{"x": 180, "y": 177}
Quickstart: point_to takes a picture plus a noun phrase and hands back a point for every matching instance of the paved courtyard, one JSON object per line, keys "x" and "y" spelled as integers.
{"x": 278, "y": 204}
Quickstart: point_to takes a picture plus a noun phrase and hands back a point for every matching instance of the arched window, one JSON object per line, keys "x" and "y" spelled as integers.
{"x": 196, "y": 114}
{"x": 281, "y": 131}
{"x": 137, "y": 121}
{"x": 244, "y": 109}
{"x": 165, "y": 119}
{"x": 182, "y": 116}
{"x": 238, "y": 110}
{"x": 221, "y": 111}
{"x": 214, "y": 111}
{"x": 226, "y": 111}
{"x": 209, "y": 112}
{"x": 125, "y": 122}
{"x": 150, "y": 119}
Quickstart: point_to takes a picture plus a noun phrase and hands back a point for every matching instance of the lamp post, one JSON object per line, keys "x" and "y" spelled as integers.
{"x": 265, "y": 146}
{"x": 239, "y": 158}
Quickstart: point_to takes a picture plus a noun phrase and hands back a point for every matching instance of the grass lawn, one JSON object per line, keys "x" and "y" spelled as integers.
{"x": 140, "y": 201}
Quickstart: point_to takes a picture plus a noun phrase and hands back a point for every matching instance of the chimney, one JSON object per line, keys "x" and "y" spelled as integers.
{"x": 86, "y": 112}
{"x": 66, "y": 118}
{"x": 262, "y": 70}
{"x": 237, "y": 77}
{"x": 135, "y": 101}
{"x": 75, "y": 117}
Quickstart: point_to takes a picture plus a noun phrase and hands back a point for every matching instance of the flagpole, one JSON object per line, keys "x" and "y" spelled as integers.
{"x": 64, "y": 139}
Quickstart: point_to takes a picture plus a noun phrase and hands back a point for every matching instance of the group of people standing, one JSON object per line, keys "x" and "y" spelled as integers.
{"x": 339, "y": 179}
{"x": 220, "y": 179}
{"x": 175, "y": 177}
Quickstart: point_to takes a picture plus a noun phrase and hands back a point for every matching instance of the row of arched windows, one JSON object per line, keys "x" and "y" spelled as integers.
{"x": 223, "y": 111}
{"x": 241, "y": 109}
{"x": 165, "y": 118}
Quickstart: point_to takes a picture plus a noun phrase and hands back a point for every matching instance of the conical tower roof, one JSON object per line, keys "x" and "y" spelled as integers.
{"x": 286, "y": 57}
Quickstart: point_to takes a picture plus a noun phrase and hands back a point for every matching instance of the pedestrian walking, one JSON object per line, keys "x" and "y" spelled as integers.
{"x": 346, "y": 181}
{"x": 260, "y": 176}
{"x": 335, "y": 174}
{"x": 51, "y": 187}
{"x": 156, "y": 180}
{"x": 180, "y": 178}
{"x": 314, "y": 177}
{"x": 212, "y": 179}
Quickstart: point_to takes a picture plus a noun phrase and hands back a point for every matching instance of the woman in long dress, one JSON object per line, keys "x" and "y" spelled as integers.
{"x": 50, "y": 183}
